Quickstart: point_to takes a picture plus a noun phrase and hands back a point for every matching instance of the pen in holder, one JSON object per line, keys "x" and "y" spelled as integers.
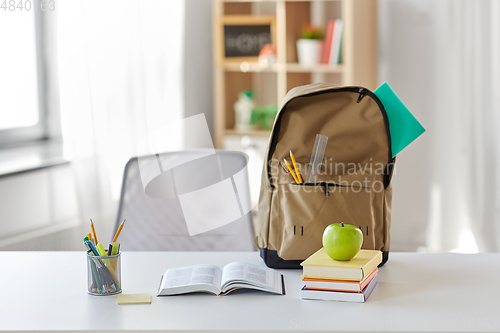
{"x": 104, "y": 274}
{"x": 316, "y": 158}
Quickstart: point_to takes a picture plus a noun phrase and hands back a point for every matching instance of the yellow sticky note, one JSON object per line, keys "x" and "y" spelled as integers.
{"x": 134, "y": 299}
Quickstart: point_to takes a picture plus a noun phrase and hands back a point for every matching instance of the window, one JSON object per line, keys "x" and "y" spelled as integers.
{"x": 22, "y": 115}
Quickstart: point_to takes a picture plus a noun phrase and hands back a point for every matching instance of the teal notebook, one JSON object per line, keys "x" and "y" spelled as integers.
{"x": 404, "y": 127}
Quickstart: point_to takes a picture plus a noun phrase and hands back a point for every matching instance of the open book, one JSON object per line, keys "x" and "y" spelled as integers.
{"x": 212, "y": 279}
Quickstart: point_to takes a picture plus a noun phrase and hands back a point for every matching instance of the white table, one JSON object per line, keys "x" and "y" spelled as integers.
{"x": 416, "y": 292}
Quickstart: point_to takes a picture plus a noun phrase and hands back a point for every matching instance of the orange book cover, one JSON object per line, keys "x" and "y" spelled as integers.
{"x": 338, "y": 285}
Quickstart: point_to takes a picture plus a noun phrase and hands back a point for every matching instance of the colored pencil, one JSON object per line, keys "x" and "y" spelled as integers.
{"x": 118, "y": 232}
{"x": 93, "y": 231}
{"x": 297, "y": 172}
{"x": 291, "y": 171}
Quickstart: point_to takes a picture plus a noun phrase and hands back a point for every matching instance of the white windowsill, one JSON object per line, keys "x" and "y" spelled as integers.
{"x": 31, "y": 156}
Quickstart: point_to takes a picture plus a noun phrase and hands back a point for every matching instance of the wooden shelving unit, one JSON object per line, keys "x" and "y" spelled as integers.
{"x": 271, "y": 84}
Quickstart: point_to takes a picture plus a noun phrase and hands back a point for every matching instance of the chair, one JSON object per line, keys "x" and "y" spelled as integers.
{"x": 183, "y": 201}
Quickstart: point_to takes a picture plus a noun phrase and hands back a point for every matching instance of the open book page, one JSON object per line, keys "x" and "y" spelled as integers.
{"x": 191, "y": 279}
{"x": 243, "y": 275}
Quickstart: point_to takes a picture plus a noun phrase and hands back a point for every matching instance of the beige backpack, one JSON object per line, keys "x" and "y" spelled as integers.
{"x": 354, "y": 182}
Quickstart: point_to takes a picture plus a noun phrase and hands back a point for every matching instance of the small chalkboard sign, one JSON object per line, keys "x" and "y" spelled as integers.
{"x": 245, "y": 40}
{"x": 245, "y": 35}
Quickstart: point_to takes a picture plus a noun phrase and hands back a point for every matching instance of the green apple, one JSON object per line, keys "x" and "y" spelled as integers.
{"x": 342, "y": 241}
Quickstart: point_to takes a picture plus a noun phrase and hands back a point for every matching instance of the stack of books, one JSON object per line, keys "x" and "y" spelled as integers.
{"x": 348, "y": 281}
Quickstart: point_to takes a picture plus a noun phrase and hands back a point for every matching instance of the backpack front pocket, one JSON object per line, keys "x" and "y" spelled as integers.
{"x": 307, "y": 209}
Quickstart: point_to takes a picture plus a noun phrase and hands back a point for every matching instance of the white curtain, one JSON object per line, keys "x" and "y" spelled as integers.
{"x": 121, "y": 78}
{"x": 443, "y": 59}
{"x": 465, "y": 191}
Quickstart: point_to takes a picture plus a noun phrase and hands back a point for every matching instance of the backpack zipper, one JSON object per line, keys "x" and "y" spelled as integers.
{"x": 325, "y": 185}
{"x": 361, "y": 94}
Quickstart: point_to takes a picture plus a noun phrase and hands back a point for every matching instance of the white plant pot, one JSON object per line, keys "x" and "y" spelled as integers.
{"x": 309, "y": 51}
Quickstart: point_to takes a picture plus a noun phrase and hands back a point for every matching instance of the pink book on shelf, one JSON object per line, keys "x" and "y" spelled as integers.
{"x": 328, "y": 41}
{"x": 336, "y": 40}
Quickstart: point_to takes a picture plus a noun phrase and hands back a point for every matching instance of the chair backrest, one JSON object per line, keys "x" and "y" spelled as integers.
{"x": 186, "y": 201}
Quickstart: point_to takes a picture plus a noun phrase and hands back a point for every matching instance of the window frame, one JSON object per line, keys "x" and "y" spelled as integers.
{"x": 48, "y": 125}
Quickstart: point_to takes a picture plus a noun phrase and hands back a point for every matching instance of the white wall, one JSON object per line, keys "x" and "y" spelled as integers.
{"x": 198, "y": 66}
{"x": 406, "y": 62}
{"x": 37, "y": 204}
{"x": 41, "y": 210}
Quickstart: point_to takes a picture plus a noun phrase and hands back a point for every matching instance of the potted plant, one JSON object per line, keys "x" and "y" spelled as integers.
{"x": 310, "y": 45}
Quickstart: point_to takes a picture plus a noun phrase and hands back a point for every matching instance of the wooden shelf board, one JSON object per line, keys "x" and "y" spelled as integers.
{"x": 320, "y": 68}
{"x": 249, "y": 132}
{"x": 254, "y": 67}
{"x": 250, "y": 67}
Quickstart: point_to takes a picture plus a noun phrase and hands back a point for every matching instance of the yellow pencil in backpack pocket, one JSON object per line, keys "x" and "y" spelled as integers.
{"x": 291, "y": 171}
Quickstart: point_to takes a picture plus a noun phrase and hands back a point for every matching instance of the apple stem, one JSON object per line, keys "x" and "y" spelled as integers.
{"x": 342, "y": 224}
